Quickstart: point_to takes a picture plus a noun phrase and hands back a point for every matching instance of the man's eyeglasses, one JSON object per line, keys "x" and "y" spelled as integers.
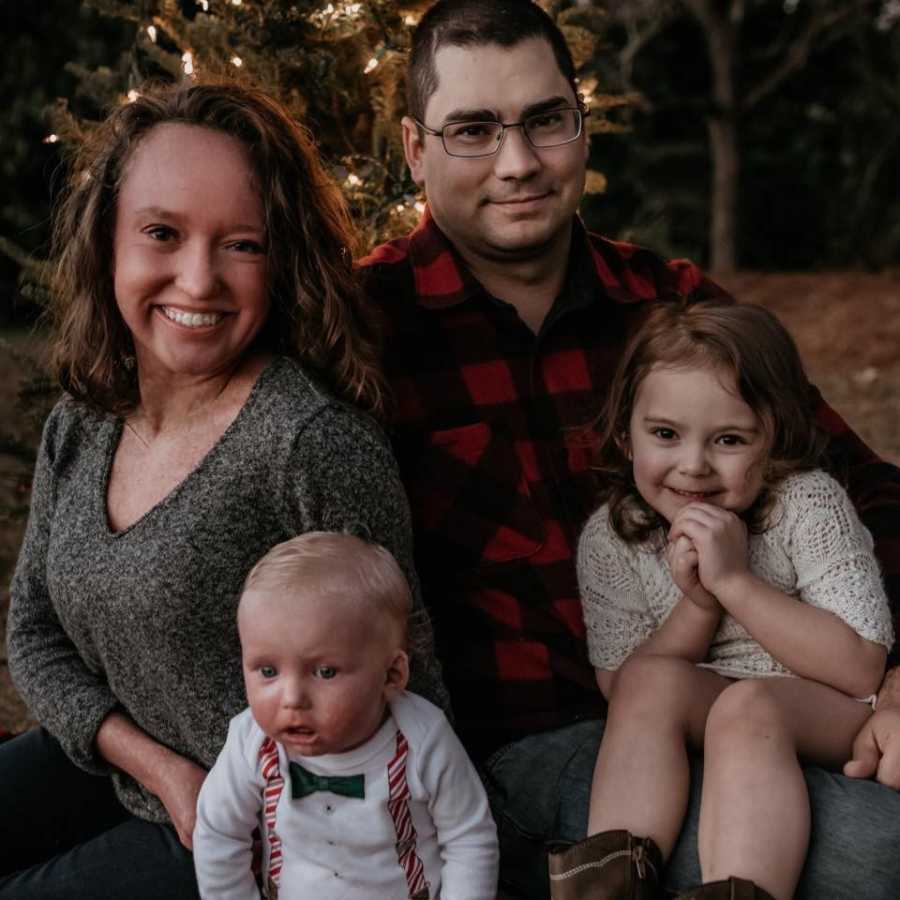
{"x": 545, "y": 129}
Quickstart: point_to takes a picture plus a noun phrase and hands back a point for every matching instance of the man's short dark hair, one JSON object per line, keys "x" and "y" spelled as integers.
{"x": 474, "y": 23}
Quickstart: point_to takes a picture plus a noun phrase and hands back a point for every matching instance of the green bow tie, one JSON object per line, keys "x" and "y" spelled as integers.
{"x": 304, "y": 782}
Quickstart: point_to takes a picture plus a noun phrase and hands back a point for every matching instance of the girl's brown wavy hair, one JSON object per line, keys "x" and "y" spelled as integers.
{"x": 742, "y": 340}
{"x": 316, "y": 313}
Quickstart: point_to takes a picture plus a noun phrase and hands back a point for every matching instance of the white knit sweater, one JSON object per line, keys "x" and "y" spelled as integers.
{"x": 815, "y": 549}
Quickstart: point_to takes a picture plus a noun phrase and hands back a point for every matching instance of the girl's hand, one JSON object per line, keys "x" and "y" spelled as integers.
{"x": 719, "y": 538}
{"x": 178, "y": 790}
{"x": 682, "y": 559}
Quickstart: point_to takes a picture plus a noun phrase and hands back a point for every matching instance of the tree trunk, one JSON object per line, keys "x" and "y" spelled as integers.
{"x": 721, "y": 35}
{"x": 723, "y": 143}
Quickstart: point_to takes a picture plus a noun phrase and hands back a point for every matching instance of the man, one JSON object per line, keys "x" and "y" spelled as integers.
{"x": 504, "y": 321}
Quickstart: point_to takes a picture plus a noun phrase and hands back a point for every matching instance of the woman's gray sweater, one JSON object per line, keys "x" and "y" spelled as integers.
{"x": 144, "y": 620}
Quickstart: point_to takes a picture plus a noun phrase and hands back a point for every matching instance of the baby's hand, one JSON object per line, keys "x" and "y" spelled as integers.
{"x": 682, "y": 558}
{"x": 719, "y": 538}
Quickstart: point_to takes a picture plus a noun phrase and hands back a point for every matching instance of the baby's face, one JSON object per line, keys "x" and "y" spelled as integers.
{"x": 318, "y": 668}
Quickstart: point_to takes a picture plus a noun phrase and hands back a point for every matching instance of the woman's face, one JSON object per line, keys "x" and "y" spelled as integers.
{"x": 189, "y": 252}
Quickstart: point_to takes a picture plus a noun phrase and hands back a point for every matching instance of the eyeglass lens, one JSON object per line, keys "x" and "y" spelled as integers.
{"x": 546, "y": 129}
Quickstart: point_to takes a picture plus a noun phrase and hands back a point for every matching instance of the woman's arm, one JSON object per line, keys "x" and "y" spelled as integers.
{"x": 61, "y": 692}
{"x": 173, "y": 778}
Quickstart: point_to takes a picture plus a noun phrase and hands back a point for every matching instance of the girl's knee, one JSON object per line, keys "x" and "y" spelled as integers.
{"x": 744, "y": 712}
{"x": 650, "y": 683}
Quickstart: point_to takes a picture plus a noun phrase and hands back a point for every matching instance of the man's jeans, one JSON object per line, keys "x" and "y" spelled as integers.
{"x": 65, "y": 836}
{"x": 539, "y": 789}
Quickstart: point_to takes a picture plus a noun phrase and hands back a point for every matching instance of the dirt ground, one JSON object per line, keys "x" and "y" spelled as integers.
{"x": 847, "y": 326}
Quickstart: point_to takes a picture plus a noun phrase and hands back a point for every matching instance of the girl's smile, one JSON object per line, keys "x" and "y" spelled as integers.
{"x": 693, "y": 439}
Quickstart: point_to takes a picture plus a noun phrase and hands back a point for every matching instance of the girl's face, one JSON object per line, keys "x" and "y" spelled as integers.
{"x": 189, "y": 252}
{"x": 692, "y": 438}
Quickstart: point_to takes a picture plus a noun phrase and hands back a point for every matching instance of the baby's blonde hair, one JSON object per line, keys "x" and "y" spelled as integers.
{"x": 335, "y": 562}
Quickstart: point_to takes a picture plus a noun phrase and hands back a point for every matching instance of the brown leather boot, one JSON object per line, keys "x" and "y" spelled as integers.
{"x": 730, "y": 889}
{"x": 613, "y": 865}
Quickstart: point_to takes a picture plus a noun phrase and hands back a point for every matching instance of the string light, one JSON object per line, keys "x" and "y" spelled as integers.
{"x": 411, "y": 19}
{"x": 353, "y": 180}
{"x": 236, "y": 2}
{"x": 187, "y": 62}
{"x": 237, "y": 61}
{"x": 51, "y": 139}
{"x": 151, "y": 33}
{"x": 205, "y": 5}
{"x": 419, "y": 206}
{"x": 371, "y": 65}
{"x": 133, "y": 95}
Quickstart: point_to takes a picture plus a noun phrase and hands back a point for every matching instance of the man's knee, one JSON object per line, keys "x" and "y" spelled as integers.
{"x": 855, "y": 837}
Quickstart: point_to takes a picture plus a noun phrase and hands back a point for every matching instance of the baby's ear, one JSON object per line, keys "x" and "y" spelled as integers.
{"x": 624, "y": 444}
{"x": 397, "y": 675}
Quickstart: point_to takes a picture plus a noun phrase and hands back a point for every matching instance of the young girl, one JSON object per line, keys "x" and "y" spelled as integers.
{"x": 732, "y": 603}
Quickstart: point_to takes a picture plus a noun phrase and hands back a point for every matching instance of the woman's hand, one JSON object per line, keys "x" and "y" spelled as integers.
{"x": 173, "y": 778}
{"x": 178, "y": 790}
{"x": 719, "y": 538}
{"x": 682, "y": 559}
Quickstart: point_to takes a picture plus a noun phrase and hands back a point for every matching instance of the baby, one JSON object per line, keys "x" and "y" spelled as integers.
{"x": 360, "y": 789}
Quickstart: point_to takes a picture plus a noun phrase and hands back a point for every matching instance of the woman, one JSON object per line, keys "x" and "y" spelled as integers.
{"x": 206, "y": 318}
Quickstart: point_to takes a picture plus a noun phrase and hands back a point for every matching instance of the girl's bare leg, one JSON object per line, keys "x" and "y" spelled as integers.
{"x": 641, "y": 779}
{"x": 754, "y": 816}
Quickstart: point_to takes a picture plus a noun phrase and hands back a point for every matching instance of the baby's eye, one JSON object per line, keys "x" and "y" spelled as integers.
{"x": 268, "y": 671}
{"x": 731, "y": 440}
{"x": 325, "y": 672}
{"x": 665, "y": 434}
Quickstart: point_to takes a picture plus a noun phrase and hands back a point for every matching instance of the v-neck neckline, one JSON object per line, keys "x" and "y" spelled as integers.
{"x": 169, "y": 498}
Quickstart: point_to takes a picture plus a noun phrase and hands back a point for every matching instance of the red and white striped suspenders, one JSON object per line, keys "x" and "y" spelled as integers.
{"x": 398, "y": 807}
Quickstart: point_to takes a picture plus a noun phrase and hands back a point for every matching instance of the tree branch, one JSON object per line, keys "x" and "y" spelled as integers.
{"x": 800, "y": 48}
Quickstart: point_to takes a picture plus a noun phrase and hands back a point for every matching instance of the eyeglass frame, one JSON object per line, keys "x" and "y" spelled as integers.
{"x": 583, "y": 113}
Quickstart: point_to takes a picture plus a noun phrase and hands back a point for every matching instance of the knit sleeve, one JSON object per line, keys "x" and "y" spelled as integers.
{"x": 67, "y": 698}
{"x": 833, "y": 556}
{"x": 344, "y": 478}
{"x": 616, "y": 613}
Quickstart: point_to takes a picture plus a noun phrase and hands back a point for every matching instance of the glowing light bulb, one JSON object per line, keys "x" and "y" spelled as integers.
{"x": 205, "y": 5}
{"x": 370, "y": 66}
{"x": 51, "y": 139}
{"x": 353, "y": 180}
{"x": 133, "y": 95}
{"x": 151, "y": 33}
{"x": 420, "y": 206}
{"x": 187, "y": 62}
{"x": 237, "y": 61}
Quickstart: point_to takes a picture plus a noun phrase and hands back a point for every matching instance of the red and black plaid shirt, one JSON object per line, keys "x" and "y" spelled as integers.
{"x": 488, "y": 430}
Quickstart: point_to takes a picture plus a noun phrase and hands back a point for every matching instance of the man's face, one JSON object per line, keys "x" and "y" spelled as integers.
{"x": 518, "y": 203}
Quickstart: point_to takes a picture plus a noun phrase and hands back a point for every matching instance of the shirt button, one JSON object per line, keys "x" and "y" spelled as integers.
{"x": 329, "y": 809}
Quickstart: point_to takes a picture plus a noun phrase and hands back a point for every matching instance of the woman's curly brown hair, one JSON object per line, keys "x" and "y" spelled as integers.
{"x": 316, "y": 313}
{"x": 742, "y": 340}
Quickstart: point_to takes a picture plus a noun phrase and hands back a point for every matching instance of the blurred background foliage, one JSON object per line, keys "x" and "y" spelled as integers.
{"x": 805, "y": 92}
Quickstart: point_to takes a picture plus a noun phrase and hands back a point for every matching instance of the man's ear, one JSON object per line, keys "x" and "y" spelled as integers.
{"x": 397, "y": 675}
{"x": 414, "y": 149}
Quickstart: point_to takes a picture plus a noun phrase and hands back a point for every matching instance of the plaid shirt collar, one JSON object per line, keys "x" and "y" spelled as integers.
{"x": 444, "y": 280}
{"x": 598, "y": 269}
